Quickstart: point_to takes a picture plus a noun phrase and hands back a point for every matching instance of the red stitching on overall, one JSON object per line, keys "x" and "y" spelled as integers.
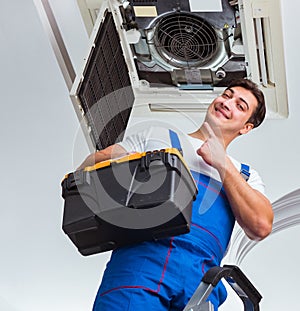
{"x": 143, "y": 287}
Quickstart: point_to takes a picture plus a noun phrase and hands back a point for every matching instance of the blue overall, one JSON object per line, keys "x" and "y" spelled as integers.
{"x": 163, "y": 275}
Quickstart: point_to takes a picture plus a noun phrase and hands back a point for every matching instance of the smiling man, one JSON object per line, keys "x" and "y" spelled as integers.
{"x": 163, "y": 275}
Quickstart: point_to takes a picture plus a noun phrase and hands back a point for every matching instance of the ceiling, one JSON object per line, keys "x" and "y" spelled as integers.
{"x": 41, "y": 141}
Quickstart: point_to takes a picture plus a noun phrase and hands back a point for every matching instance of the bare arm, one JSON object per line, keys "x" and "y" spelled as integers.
{"x": 110, "y": 152}
{"x": 252, "y": 210}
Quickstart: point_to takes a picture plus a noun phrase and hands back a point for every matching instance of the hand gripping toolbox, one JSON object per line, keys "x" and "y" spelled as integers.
{"x": 140, "y": 197}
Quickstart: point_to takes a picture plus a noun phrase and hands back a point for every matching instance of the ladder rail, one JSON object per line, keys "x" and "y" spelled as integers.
{"x": 235, "y": 278}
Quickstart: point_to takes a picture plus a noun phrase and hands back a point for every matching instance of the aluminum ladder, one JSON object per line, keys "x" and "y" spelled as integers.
{"x": 235, "y": 278}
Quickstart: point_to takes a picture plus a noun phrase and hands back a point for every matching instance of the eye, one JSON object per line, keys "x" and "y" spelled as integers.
{"x": 241, "y": 107}
{"x": 225, "y": 95}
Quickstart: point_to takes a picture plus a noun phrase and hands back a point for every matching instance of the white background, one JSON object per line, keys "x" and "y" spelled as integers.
{"x": 40, "y": 269}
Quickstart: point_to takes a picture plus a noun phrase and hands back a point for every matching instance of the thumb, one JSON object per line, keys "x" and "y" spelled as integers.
{"x": 201, "y": 150}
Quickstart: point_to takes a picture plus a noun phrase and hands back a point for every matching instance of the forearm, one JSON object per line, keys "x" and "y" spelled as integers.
{"x": 102, "y": 155}
{"x": 252, "y": 210}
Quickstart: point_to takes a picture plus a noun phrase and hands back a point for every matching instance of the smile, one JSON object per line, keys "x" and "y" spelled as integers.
{"x": 222, "y": 112}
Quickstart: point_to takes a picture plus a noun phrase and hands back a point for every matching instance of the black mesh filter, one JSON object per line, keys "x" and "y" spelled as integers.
{"x": 106, "y": 94}
{"x": 185, "y": 40}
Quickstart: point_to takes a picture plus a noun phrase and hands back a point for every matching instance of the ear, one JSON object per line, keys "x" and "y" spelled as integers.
{"x": 246, "y": 128}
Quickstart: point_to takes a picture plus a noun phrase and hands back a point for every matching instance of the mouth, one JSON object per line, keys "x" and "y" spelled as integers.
{"x": 222, "y": 112}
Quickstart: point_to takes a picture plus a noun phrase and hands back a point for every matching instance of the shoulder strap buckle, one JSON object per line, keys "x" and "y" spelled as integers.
{"x": 245, "y": 171}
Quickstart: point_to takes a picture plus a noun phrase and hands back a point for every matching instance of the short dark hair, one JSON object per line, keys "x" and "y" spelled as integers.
{"x": 259, "y": 113}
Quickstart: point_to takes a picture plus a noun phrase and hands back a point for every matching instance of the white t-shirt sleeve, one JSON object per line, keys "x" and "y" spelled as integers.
{"x": 255, "y": 181}
{"x": 153, "y": 138}
{"x": 134, "y": 143}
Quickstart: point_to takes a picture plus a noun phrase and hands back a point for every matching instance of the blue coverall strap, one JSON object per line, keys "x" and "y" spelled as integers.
{"x": 175, "y": 141}
{"x": 245, "y": 171}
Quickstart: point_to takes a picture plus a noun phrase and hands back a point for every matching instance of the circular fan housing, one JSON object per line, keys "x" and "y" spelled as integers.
{"x": 185, "y": 40}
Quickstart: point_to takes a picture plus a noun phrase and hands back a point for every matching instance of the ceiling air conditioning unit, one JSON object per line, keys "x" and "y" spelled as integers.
{"x": 178, "y": 55}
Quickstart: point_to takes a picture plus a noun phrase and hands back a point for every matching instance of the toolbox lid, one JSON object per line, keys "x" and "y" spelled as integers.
{"x": 136, "y": 156}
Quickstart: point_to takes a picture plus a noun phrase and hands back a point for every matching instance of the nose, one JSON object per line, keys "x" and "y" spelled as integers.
{"x": 225, "y": 104}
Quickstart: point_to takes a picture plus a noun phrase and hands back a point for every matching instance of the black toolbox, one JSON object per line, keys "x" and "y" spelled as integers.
{"x": 140, "y": 197}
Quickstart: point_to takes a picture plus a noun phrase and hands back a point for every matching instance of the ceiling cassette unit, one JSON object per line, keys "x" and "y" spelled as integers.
{"x": 181, "y": 54}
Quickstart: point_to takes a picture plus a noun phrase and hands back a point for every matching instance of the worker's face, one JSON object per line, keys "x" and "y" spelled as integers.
{"x": 231, "y": 110}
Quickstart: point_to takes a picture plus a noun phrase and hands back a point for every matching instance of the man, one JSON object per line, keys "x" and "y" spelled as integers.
{"x": 163, "y": 275}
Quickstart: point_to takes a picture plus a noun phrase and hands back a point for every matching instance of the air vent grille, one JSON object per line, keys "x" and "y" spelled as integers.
{"x": 106, "y": 94}
{"x": 185, "y": 40}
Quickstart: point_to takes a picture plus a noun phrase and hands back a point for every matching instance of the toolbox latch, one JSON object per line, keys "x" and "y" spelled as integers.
{"x": 150, "y": 156}
{"x": 77, "y": 178}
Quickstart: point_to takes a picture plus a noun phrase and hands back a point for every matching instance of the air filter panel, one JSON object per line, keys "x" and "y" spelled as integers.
{"x": 105, "y": 94}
